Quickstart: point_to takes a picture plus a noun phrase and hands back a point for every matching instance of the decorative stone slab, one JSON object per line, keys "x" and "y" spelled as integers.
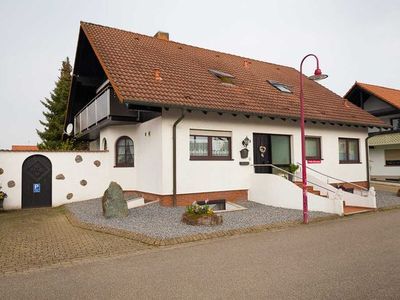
{"x": 1, "y": 171}
{"x": 69, "y": 196}
{"x": 60, "y": 177}
{"x": 11, "y": 183}
{"x": 97, "y": 163}
{"x": 83, "y": 182}
{"x": 113, "y": 202}
{"x": 207, "y": 220}
{"x": 78, "y": 158}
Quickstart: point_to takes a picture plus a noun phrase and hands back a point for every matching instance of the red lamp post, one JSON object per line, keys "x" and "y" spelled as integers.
{"x": 317, "y": 76}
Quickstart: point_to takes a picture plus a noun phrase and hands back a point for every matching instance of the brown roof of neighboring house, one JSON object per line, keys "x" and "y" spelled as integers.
{"x": 389, "y": 95}
{"x": 131, "y": 61}
{"x": 24, "y": 148}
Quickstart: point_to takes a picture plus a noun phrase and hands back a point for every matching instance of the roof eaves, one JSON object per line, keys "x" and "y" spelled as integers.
{"x": 295, "y": 117}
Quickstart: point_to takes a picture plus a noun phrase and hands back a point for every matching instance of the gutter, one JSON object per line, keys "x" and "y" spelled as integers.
{"x": 174, "y": 200}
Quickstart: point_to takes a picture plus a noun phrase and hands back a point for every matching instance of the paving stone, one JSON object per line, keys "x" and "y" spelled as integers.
{"x": 36, "y": 238}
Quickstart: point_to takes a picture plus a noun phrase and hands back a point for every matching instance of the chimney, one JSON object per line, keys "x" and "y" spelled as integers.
{"x": 246, "y": 63}
{"x": 157, "y": 74}
{"x": 162, "y": 36}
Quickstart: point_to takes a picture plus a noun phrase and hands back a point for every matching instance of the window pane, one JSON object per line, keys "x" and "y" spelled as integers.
{"x": 198, "y": 145}
{"x": 280, "y": 149}
{"x": 353, "y": 150}
{"x": 220, "y": 146}
{"x": 121, "y": 159}
{"x": 312, "y": 147}
{"x": 121, "y": 150}
{"x": 342, "y": 150}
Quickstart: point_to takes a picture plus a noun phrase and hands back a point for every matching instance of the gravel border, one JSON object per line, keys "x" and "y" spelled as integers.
{"x": 386, "y": 199}
{"x": 158, "y": 225}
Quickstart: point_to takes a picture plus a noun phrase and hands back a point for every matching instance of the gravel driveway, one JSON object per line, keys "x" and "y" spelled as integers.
{"x": 164, "y": 222}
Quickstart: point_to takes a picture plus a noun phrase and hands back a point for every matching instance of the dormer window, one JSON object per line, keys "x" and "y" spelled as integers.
{"x": 224, "y": 77}
{"x": 280, "y": 86}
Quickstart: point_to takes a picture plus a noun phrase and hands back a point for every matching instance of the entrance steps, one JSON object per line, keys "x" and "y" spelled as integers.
{"x": 310, "y": 189}
{"x": 352, "y": 210}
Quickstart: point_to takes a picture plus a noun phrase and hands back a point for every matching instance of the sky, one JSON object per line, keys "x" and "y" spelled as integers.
{"x": 354, "y": 40}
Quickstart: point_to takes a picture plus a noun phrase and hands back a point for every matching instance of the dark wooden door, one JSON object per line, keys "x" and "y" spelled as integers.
{"x": 36, "y": 182}
{"x": 262, "y": 152}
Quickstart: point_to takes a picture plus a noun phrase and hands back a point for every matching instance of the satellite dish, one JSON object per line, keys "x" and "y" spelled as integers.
{"x": 69, "y": 129}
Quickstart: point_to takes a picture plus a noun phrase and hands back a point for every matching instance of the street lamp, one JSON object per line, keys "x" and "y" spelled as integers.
{"x": 317, "y": 76}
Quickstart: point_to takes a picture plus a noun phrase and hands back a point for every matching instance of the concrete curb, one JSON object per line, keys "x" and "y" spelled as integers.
{"x": 184, "y": 239}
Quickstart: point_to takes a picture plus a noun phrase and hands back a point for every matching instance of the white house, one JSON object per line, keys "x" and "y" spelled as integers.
{"x": 170, "y": 121}
{"x": 384, "y": 143}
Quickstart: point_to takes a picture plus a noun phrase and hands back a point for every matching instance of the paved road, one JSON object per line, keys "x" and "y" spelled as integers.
{"x": 350, "y": 258}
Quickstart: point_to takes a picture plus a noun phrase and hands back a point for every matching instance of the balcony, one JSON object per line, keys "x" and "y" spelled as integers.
{"x": 105, "y": 109}
{"x": 94, "y": 112}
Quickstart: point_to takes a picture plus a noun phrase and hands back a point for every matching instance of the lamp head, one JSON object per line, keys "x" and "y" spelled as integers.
{"x": 318, "y": 75}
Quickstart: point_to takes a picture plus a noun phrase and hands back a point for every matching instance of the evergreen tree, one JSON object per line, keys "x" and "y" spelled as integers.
{"x": 56, "y": 107}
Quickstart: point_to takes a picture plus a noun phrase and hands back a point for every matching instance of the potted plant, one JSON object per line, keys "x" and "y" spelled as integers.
{"x": 196, "y": 214}
{"x": 293, "y": 169}
{"x": 3, "y": 196}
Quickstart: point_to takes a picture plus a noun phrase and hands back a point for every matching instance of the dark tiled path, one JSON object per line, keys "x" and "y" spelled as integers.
{"x": 42, "y": 237}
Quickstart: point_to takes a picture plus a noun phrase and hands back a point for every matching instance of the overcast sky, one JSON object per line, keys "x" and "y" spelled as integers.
{"x": 355, "y": 40}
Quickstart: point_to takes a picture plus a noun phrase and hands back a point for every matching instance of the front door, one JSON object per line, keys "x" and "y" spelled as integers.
{"x": 36, "y": 182}
{"x": 261, "y": 152}
{"x": 271, "y": 149}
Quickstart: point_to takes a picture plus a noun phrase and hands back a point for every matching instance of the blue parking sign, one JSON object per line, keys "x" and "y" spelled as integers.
{"x": 36, "y": 187}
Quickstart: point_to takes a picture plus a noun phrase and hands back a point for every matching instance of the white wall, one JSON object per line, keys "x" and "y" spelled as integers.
{"x": 147, "y": 138}
{"x": 377, "y": 162}
{"x": 277, "y": 191}
{"x": 144, "y": 176}
{"x": 200, "y": 176}
{"x": 62, "y": 163}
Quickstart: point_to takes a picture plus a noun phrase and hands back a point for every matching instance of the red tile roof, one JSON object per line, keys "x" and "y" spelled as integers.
{"x": 388, "y": 95}
{"x": 24, "y": 148}
{"x": 130, "y": 60}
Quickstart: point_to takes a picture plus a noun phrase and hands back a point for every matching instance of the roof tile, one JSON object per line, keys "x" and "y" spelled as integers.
{"x": 129, "y": 60}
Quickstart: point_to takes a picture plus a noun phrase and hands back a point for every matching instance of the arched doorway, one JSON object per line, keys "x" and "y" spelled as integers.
{"x": 36, "y": 182}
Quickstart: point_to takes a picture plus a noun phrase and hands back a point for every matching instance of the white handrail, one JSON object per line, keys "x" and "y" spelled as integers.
{"x": 328, "y": 176}
{"x": 294, "y": 175}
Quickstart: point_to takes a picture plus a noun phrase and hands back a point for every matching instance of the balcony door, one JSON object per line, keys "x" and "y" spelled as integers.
{"x": 271, "y": 149}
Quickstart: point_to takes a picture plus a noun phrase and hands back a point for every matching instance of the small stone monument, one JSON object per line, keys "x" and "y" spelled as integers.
{"x": 114, "y": 204}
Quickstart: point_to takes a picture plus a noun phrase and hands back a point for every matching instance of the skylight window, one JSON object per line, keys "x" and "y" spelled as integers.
{"x": 280, "y": 86}
{"x": 224, "y": 77}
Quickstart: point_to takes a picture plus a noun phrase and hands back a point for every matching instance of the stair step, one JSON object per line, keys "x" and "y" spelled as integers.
{"x": 352, "y": 210}
{"x": 135, "y": 202}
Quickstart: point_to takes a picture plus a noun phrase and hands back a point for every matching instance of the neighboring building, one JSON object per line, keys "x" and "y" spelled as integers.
{"x": 384, "y": 143}
{"x": 24, "y": 148}
{"x": 178, "y": 123}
